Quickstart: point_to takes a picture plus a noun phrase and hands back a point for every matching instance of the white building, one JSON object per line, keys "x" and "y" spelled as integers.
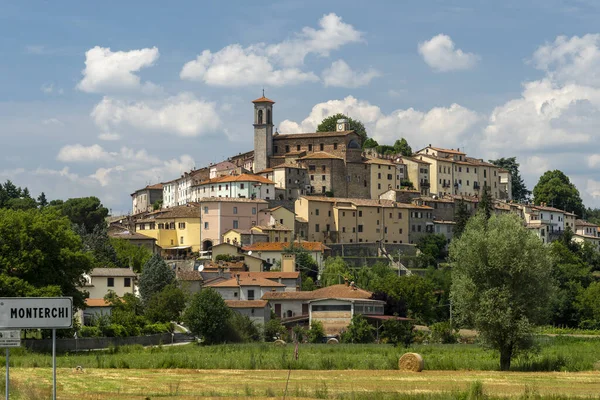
{"x": 241, "y": 186}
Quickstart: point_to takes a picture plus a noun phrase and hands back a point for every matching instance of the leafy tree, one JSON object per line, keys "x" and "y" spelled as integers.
{"x": 308, "y": 284}
{"x": 86, "y": 211}
{"x": 40, "y": 254}
{"x": 274, "y": 329}
{"x": 316, "y": 333}
{"x": 207, "y": 316}
{"x": 156, "y": 274}
{"x": 398, "y": 332}
{"x": 370, "y": 143}
{"x": 329, "y": 124}
{"x": 22, "y": 203}
{"x": 241, "y": 329}
{"x": 409, "y": 295}
{"x": 304, "y": 260}
{"x": 359, "y": 331}
{"x": 157, "y": 205}
{"x": 401, "y": 146}
{"x": 486, "y": 204}
{"x": 556, "y": 190}
{"x": 442, "y": 332}
{"x": 42, "y": 201}
{"x": 593, "y": 215}
{"x": 335, "y": 271}
{"x": 130, "y": 255}
{"x": 126, "y": 311}
{"x": 520, "y": 192}
{"x": 167, "y": 305}
{"x": 99, "y": 245}
{"x": 588, "y": 304}
{"x": 441, "y": 280}
{"x": 432, "y": 248}
{"x": 501, "y": 282}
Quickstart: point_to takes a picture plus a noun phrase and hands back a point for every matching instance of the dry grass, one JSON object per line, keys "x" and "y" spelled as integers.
{"x": 121, "y": 384}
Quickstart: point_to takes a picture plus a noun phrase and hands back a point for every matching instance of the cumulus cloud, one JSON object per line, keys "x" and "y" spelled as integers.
{"x": 442, "y": 125}
{"x": 440, "y": 54}
{"x": 103, "y": 175}
{"x": 275, "y": 64}
{"x": 79, "y": 153}
{"x": 341, "y": 75}
{"x": 180, "y": 115}
{"x": 109, "y": 136}
{"x": 108, "y": 71}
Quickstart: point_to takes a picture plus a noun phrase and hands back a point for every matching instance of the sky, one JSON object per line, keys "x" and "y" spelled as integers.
{"x": 103, "y": 99}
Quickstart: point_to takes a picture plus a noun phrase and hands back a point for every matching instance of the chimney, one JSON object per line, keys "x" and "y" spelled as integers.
{"x": 346, "y": 282}
{"x": 237, "y": 278}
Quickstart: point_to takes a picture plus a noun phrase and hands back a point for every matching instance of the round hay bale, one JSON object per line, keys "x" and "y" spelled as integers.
{"x": 279, "y": 342}
{"x": 412, "y": 362}
{"x": 333, "y": 341}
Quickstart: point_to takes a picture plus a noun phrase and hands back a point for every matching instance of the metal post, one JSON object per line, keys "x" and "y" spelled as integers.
{"x": 53, "y": 364}
{"x": 7, "y": 373}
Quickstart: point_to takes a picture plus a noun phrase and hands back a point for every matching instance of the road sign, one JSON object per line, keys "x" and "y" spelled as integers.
{"x": 10, "y": 338}
{"x": 36, "y": 312}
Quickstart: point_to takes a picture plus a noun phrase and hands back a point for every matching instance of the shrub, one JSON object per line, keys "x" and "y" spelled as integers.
{"x": 398, "y": 332}
{"x": 90, "y": 331}
{"x": 442, "y": 332}
{"x": 224, "y": 257}
{"x": 240, "y": 328}
{"x": 359, "y": 331}
{"x": 152, "y": 329}
{"x": 208, "y": 316}
{"x": 273, "y": 330}
{"x": 299, "y": 333}
{"x": 316, "y": 332}
{"x": 114, "y": 330}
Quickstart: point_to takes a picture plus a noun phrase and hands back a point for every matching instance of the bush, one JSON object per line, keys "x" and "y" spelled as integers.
{"x": 359, "y": 331}
{"x": 273, "y": 330}
{"x": 224, "y": 257}
{"x": 442, "y": 332}
{"x": 240, "y": 328}
{"x": 208, "y": 316}
{"x": 299, "y": 333}
{"x": 90, "y": 331}
{"x": 114, "y": 330}
{"x": 398, "y": 332}
{"x": 152, "y": 329}
{"x": 316, "y": 332}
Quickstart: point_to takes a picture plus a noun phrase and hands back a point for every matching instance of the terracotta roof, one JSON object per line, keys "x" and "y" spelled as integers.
{"x": 187, "y": 211}
{"x": 312, "y": 135}
{"x": 96, "y": 303}
{"x": 246, "y": 304}
{"x": 127, "y": 235}
{"x": 238, "y": 178}
{"x": 329, "y": 292}
{"x": 479, "y": 161}
{"x": 276, "y": 227}
{"x": 245, "y": 232}
{"x": 272, "y": 275}
{"x": 581, "y": 222}
{"x": 441, "y": 221}
{"x": 320, "y": 155}
{"x": 546, "y": 208}
{"x": 264, "y": 171}
{"x": 280, "y": 166}
{"x": 263, "y": 99}
{"x": 415, "y": 159}
{"x": 126, "y": 272}
{"x": 231, "y": 200}
{"x": 189, "y": 276}
{"x": 366, "y": 202}
{"x": 450, "y": 151}
{"x": 246, "y": 280}
{"x": 279, "y": 246}
{"x": 379, "y": 161}
{"x": 436, "y": 200}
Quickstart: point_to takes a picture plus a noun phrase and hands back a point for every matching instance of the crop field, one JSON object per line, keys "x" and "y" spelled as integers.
{"x": 35, "y": 383}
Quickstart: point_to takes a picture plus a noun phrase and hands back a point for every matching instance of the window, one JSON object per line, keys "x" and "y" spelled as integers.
{"x": 327, "y": 228}
{"x": 250, "y": 294}
{"x": 322, "y": 177}
{"x": 226, "y": 187}
{"x": 353, "y": 229}
{"x": 321, "y": 146}
{"x": 236, "y": 224}
{"x": 400, "y": 231}
{"x": 298, "y": 147}
{"x": 485, "y": 173}
{"x": 275, "y": 149}
{"x": 310, "y": 147}
{"x": 335, "y": 146}
{"x": 260, "y": 116}
{"x": 343, "y": 229}
{"x": 390, "y": 177}
{"x": 312, "y": 167}
{"x": 316, "y": 211}
{"x": 379, "y": 175}
{"x": 287, "y": 149}
{"x": 127, "y": 282}
{"x": 234, "y": 294}
{"x": 235, "y": 210}
{"x": 379, "y": 186}
{"x": 360, "y": 228}
{"x": 161, "y": 226}
{"x": 181, "y": 225}
{"x": 312, "y": 177}
{"x": 328, "y": 214}
{"x": 206, "y": 225}
{"x": 323, "y": 189}
{"x": 419, "y": 228}
{"x": 399, "y": 215}
{"x": 414, "y": 228}
{"x": 110, "y": 282}
{"x": 332, "y": 307}
{"x": 181, "y": 240}
{"x": 317, "y": 227}
{"x": 360, "y": 213}
{"x": 212, "y": 188}
{"x": 253, "y": 210}
{"x": 172, "y": 225}
{"x": 219, "y": 187}
{"x": 241, "y": 185}
{"x": 141, "y": 227}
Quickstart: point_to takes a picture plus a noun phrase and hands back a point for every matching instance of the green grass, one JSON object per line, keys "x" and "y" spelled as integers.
{"x": 554, "y": 354}
{"x": 561, "y": 330}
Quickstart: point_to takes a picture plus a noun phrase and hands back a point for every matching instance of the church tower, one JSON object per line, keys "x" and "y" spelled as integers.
{"x": 263, "y": 132}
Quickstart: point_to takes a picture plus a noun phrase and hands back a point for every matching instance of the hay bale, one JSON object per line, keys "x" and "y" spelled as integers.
{"x": 333, "y": 341}
{"x": 412, "y": 362}
{"x": 279, "y": 342}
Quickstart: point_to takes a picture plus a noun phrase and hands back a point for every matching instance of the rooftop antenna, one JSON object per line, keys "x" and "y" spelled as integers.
{"x": 263, "y": 92}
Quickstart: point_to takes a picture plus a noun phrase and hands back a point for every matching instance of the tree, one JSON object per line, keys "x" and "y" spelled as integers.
{"x": 329, "y": 124}
{"x": 398, "y": 332}
{"x": 304, "y": 260}
{"x": 99, "y": 245}
{"x": 401, "y": 146}
{"x": 167, "y": 305}
{"x": 370, "y": 143}
{"x": 42, "y": 201}
{"x": 556, "y": 190}
{"x": 501, "y": 282}
{"x": 335, "y": 271}
{"x": 520, "y": 192}
{"x": 126, "y": 311}
{"x": 156, "y": 274}
{"x": 40, "y": 254}
{"x": 274, "y": 329}
{"x": 359, "y": 331}
{"x": 130, "y": 255}
{"x": 86, "y": 211}
{"x": 409, "y": 295}
{"x": 316, "y": 333}
{"x": 207, "y": 316}
{"x": 461, "y": 217}
{"x": 588, "y": 304}
{"x": 486, "y": 204}
{"x": 432, "y": 248}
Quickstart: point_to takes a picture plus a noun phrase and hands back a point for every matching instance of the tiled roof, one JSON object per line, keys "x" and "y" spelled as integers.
{"x": 231, "y": 200}
{"x": 96, "y": 303}
{"x": 246, "y": 280}
{"x": 312, "y": 135}
{"x": 126, "y": 272}
{"x": 246, "y": 304}
{"x": 546, "y": 208}
{"x": 189, "y": 276}
{"x": 581, "y": 222}
{"x": 263, "y": 99}
{"x": 238, "y": 178}
{"x": 155, "y": 186}
{"x": 366, "y": 202}
{"x": 247, "y": 232}
{"x": 450, "y": 151}
{"x": 276, "y": 227}
{"x": 127, "y": 235}
{"x": 272, "y": 275}
{"x": 436, "y": 200}
{"x": 264, "y": 171}
{"x": 187, "y": 211}
{"x": 280, "y": 166}
{"x": 379, "y": 161}
{"x": 329, "y": 292}
{"x": 415, "y": 159}
{"x": 441, "y": 221}
{"x": 320, "y": 155}
{"x": 479, "y": 161}
{"x": 279, "y": 246}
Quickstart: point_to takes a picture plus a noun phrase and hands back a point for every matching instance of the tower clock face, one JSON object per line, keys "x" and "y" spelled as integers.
{"x": 340, "y": 127}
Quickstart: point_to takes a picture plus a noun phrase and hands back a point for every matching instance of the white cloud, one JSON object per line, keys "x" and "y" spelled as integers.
{"x": 49, "y": 88}
{"x": 103, "y": 175}
{"x": 108, "y": 136}
{"x": 274, "y": 65}
{"x": 79, "y": 153}
{"x": 440, "y": 54}
{"x": 593, "y": 188}
{"x": 444, "y": 126}
{"x": 341, "y": 75}
{"x": 107, "y": 71}
{"x": 181, "y": 115}
{"x": 53, "y": 121}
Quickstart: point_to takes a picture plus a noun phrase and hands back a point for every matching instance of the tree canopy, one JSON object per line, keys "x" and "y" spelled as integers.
{"x": 156, "y": 274}
{"x": 520, "y": 192}
{"x": 329, "y": 124}
{"x": 556, "y": 190}
{"x": 86, "y": 211}
{"x": 501, "y": 282}
{"x": 208, "y": 316}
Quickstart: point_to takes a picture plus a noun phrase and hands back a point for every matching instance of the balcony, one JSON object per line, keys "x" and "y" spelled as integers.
{"x": 446, "y": 184}
{"x": 425, "y": 184}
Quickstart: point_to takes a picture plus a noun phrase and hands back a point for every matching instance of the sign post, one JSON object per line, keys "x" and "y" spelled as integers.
{"x": 9, "y": 339}
{"x": 37, "y": 312}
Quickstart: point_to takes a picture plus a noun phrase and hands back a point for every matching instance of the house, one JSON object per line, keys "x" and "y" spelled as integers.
{"x": 443, "y": 227}
{"x": 275, "y": 232}
{"x": 245, "y": 287}
{"x": 587, "y": 232}
{"x": 291, "y": 179}
{"x": 143, "y": 200}
{"x": 242, "y": 186}
{"x": 417, "y": 170}
{"x": 244, "y": 237}
{"x": 385, "y": 175}
{"x": 272, "y": 252}
{"x": 282, "y": 216}
{"x": 190, "y": 281}
{"x": 134, "y": 238}
{"x": 334, "y": 306}
{"x": 258, "y": 311}
{"x": 251, "y": 262}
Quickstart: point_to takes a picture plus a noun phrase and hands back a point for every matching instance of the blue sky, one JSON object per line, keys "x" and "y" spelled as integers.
{"x": 102, "y": 100}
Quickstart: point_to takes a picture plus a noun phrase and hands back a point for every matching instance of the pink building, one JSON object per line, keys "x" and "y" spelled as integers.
{"x": 220, "y": 214}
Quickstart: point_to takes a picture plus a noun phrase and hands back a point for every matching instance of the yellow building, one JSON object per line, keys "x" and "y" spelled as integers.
{"x": 283, "y": 216}
{"x": 176, "y": 230}
{"x": 340, "y": 220}
{"x": 244, "y": 237}
{"x": 385, "y": 175}
{"x": 418, "y": 172}
{"x": 275, "y": 232}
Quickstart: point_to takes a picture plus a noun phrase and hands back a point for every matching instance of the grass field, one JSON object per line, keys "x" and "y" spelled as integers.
{"x": 120, "y": 384}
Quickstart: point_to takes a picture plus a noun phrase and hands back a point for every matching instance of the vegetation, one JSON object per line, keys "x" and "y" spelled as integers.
{"x": 87, "y": 212}
{"x": 130, "y": 255}
{"x": 520, "y": 193}
{"x": 329, "y": 124}
{"x": 398, "y": 332}
{"x": 166, "y": 305}
{"x": 155, "y": 277}
{"x": 316, "y": 333}
{"x": 359, "y": 331}
{"x": 501, "y": 282}
{"x": 556, "y": 190}
{"x": 461, "y": 217}
{"x": 207, "y": 316}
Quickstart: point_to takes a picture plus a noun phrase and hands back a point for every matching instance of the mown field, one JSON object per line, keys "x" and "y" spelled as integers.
{"x": 121, "y": 384}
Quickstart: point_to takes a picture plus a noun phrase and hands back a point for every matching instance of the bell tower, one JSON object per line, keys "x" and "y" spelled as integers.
{"x": 263, "y": 132}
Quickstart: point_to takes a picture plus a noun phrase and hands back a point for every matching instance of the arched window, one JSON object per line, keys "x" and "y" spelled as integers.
{"x": 353, "y": 144}
{"x": 269, "y": 117}
{"x": 260, "y": 117}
